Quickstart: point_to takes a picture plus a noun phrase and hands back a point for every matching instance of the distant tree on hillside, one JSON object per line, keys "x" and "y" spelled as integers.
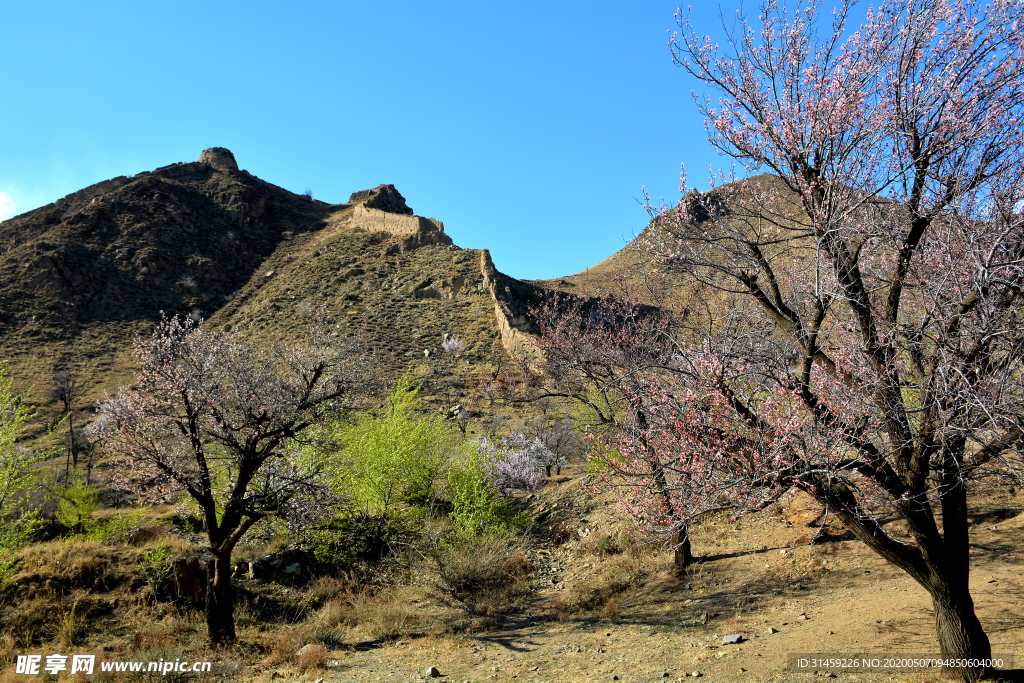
{"x": 217, "y": 419}
{"x": 64, "y": 391}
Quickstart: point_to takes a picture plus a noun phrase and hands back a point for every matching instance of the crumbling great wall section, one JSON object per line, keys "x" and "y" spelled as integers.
{"x": 518, "y": 343}
{"x": 421, "y": 230}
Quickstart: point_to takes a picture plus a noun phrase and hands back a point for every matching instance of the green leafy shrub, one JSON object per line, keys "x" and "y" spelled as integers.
{"x": 392, "y": 458}
{"x": 154, "y": 566}
{"x": 479, "y": 509}
{"x": 386, "y": 465}
{"x": 76, "y": 505}
{"x": 116, "y": 528}
{"x": 18, "y": 476}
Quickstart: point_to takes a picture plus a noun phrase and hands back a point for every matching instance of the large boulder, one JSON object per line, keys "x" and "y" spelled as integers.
{"x": 218, "y": 157}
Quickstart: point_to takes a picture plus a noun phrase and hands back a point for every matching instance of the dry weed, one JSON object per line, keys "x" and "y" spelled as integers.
{"x": 385, "y": 615}
{"x": 328, "y": 588}
{"x": 281, "y": 645}
{"x": 67, "y": 561}
{"x": 487, "y": 571}
{"x": 67, "y": 624}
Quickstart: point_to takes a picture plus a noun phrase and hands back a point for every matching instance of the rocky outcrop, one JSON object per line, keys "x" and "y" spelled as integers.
{"x": 383, "y": 197}
{"x": 218, "y": 157}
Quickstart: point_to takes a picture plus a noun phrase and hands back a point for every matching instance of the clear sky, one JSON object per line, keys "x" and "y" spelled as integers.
{"x": 529, "y": 128}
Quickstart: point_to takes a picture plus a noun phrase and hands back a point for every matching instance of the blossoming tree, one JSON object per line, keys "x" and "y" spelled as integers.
{"x": 214, "y": 418}
{"x": 851, "y": 323}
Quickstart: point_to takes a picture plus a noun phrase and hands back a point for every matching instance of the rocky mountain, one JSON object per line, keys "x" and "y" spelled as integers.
{"x": 79, "y": 278}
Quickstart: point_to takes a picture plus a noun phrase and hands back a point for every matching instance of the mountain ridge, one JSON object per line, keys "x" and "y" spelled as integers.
{"x": 80, "y": 277}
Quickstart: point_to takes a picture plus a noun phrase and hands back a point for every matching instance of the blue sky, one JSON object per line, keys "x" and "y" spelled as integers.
{"x": 529, "y": 128}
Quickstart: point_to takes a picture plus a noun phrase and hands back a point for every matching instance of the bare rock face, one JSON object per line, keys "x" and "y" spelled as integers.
{"x": 383, "y": 197}
{"x": 218, "y": 157}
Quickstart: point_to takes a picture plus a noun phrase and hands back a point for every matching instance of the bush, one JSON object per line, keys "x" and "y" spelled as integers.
{"x": 117, "y": 528}
{"x": 312, "y": 657}
{"x": 536, "y": 452}
{"x": 75, "y": 506}
{"x": 18, "y": 476}
{"x": 489, "y": 572}
{"x": 480, "y": 509}
{"x": 386, "y": 465}
{"x": 361, "y": 536}
{"x": 392, "y": 458}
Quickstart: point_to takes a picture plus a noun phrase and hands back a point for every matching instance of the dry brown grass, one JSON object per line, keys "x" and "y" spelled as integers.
{"x": 327, "y": 589}
{"x": 72, "y": 562}
{"x": 487, "y": 576}
{"x": 378, "y": 615}
{"x": 67, "y": 624}
{"x": 280, "y": 645}
{"x": 626, "y": 564}
{"x": 386, "y": 615}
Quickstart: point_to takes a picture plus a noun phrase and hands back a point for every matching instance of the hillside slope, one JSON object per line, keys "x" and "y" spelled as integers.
{"x": 79, "y": 278}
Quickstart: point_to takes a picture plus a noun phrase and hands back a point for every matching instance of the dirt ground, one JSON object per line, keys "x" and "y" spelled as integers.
{"x": 760, "y": 578}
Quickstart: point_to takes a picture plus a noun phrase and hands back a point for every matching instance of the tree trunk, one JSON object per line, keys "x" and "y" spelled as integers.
{"x": 74, "y": 441}
{"x": 960, "y": 633}
{"x": 88, "y": 467}
{"x": 683, "y": 557}
{"x": 220, "y": 600}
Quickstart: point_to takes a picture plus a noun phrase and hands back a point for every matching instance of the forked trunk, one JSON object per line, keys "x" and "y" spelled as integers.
{"x": 220, "y": 601}
{"x": 961, "y": 636}
{"x": 683, "y": 555}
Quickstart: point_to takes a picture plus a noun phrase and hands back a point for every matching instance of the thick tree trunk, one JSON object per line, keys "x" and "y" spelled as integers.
{"x": 683, "y": 555}
{"x": 959, "y": 631}
{"x": 220, "y": 600}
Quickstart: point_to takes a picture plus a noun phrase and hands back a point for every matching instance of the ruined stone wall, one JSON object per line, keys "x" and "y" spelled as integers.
{"x": 374, "y": 220}
{"x": 517, "y": 343}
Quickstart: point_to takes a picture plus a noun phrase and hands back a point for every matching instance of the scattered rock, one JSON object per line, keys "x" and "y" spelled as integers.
{"x": 802, "y": 617}
{"x": 428, "y": 292}
{"x": 733, "y": 639}
{"x": 665, "y": 674}
{"x": 431, "y": 672}
{"x": 772, "y": 629}
{"x": 696, "y": 674}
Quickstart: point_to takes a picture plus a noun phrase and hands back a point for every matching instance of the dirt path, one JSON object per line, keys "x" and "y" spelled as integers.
{"x": 784, "y": 598}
